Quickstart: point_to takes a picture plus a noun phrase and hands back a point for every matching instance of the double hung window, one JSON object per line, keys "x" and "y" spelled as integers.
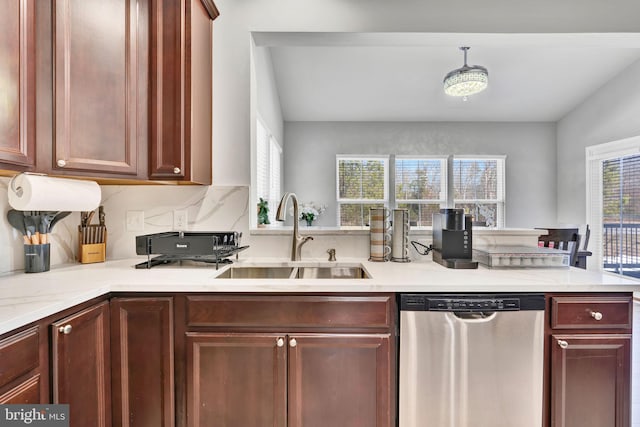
{"x": 362, "y": 183}
{"x": 420, "y": 187}
{"x": 478, "y": 188}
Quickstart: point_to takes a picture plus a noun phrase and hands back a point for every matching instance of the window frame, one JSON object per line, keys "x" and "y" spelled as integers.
{"x": 363, "y": 158}
{"x": 444, "y": 182}
{"x": 272, "y": 147}
{"x": 500, "y": 186}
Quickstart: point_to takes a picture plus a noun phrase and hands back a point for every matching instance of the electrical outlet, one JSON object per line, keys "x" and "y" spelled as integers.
{"x": 135, "y": 221}
{"x": 180, "y": 220}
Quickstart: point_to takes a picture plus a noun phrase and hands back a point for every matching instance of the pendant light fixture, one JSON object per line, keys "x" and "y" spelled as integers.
{"x": 466, "y": 80}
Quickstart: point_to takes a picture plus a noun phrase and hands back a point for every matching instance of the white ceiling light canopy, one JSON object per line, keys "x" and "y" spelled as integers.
{"x": 466, "y": 80}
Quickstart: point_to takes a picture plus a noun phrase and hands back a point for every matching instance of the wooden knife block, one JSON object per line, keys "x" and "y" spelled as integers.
{"x": 91, "y": 253}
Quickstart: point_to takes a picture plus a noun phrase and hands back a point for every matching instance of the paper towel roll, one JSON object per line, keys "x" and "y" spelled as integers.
{"x": 31, "y": 192}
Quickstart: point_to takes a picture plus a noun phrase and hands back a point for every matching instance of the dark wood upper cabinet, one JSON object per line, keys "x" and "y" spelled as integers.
{"x": 181, "y": 90}
{"x": 17, "y": 85}
{"x": 100, "y": 62}
{"x": 81, "y": 366}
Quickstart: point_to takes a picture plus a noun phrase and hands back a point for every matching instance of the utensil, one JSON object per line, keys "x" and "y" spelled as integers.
{"x": 45, "y": 225}
{"x": 16, "y": 219}
{"x": 57, "y": 218}
{"x": 32, "y": 227}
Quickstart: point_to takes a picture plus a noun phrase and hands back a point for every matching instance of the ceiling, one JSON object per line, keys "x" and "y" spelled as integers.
{"x": 398, "y": 76}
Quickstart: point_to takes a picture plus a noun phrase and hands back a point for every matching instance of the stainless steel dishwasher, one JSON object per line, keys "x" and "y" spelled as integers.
{"x": 471, "y": 360}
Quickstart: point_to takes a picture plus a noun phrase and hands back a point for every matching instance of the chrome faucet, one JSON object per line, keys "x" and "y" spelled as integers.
{"x": 296, "y": 240}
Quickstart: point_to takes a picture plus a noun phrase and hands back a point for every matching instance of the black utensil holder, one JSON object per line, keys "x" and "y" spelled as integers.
{"x": 36, "y": 258}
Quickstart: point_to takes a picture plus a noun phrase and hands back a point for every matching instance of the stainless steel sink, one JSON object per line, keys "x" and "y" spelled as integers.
{"x": 351, "y": 271}
{"x": 254, "y": 272}
{"x": 332, "y": 273}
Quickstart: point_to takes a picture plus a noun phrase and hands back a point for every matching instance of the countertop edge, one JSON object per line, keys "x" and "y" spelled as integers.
{"x": 27, "y": 298}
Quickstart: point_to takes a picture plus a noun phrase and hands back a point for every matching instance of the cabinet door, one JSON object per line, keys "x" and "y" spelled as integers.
{"x": 100, "y": 96}
{"x": 340, "y": 380}
{"x": 142, "y": 361}
{"x": 17, "y": 84}
{"x": 590, "y": 380}
{"x": 81, "y": 375}
{"x": 181, "y": 90}
{"x": 236, "y": 380}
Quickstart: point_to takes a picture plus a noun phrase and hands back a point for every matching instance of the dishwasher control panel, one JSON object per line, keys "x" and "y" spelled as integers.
{"x": 480, "y": 302}
{"x": 507, "y": 304}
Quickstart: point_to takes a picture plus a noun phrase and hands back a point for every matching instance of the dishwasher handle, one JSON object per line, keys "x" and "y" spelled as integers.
{"x": 474, "y": 317}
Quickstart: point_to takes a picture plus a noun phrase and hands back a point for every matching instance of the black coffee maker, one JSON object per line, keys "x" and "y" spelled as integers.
{"x": 452, "y": 239}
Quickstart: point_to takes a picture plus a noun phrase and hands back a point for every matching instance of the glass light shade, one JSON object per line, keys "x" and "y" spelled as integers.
{"x": 466, "y": 81}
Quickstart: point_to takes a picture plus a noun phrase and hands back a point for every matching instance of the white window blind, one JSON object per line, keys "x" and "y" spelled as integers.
{"x": 420, "y": 187}
{"x": 268, "y": 167}
{"x": 361, "y": 184}
{"x": 478, "y": 187}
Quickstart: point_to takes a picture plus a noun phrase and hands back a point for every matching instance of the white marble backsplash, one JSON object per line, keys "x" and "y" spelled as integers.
{"x": 208, "y": 209}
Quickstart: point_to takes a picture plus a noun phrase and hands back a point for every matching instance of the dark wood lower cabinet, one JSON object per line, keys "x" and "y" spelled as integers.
{"x": 81, "y": 366}
{"x": 142, "y": 362}
{"x": 236, "y": 380}
{"x": 276, "y": 380}
{"x": 339, "y": 380}
{"x": 591, "y": 378}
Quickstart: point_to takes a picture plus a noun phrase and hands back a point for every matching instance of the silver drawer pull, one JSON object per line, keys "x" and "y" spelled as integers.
{"x": 596, "y": 315}
{"x": 176, "y": 170}
{"x": 293, "y": 342}
{"x": 61, "y": 163}
{"x": 563, "y": 344}
{"x": 280, "y": 342}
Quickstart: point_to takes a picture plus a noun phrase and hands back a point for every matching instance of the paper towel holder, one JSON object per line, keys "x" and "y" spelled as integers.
{"x": 19, "y": 191}
{"x": 29, "y": 191}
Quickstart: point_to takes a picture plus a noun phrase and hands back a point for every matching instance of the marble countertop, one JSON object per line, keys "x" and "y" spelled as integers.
{"x": 25, "y": 298}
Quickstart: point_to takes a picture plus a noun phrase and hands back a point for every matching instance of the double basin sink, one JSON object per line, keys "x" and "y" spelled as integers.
{"x": 296, "y": 271}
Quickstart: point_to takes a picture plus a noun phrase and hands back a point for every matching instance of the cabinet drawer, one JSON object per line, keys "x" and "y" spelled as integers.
{"x": 591, "y": 312}
{"x": 19, "y": 354}
{"x": 27, "y": 392}
{"x": 272, "y": 312}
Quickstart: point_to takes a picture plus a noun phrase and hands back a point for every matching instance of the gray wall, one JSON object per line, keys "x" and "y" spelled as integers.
{"x": 231, "y": 112}
{"x": 610, "y": 114}
{"x": 530, "y": 148}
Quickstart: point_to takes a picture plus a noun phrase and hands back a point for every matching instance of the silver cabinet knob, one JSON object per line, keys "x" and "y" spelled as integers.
{"x": 176, "y": 170}
{"x": 596, "y": 315}
{"x": 66, "y": 329}
{"x": 293, "y": 342}
{"x": 280, "y": 342}
{"x": 563, "y": 344}
{"x": 61, "y": 163}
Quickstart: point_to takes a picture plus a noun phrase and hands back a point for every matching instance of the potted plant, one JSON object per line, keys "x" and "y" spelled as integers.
{"x": 263, "y": 212}
{"x": 310, "y": 212}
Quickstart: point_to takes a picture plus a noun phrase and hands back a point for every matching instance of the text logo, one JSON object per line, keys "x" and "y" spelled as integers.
{"x": 34, "y": 415}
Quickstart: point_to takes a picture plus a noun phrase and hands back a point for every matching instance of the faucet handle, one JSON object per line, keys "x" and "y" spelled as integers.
{"x": 332, "y": 254}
